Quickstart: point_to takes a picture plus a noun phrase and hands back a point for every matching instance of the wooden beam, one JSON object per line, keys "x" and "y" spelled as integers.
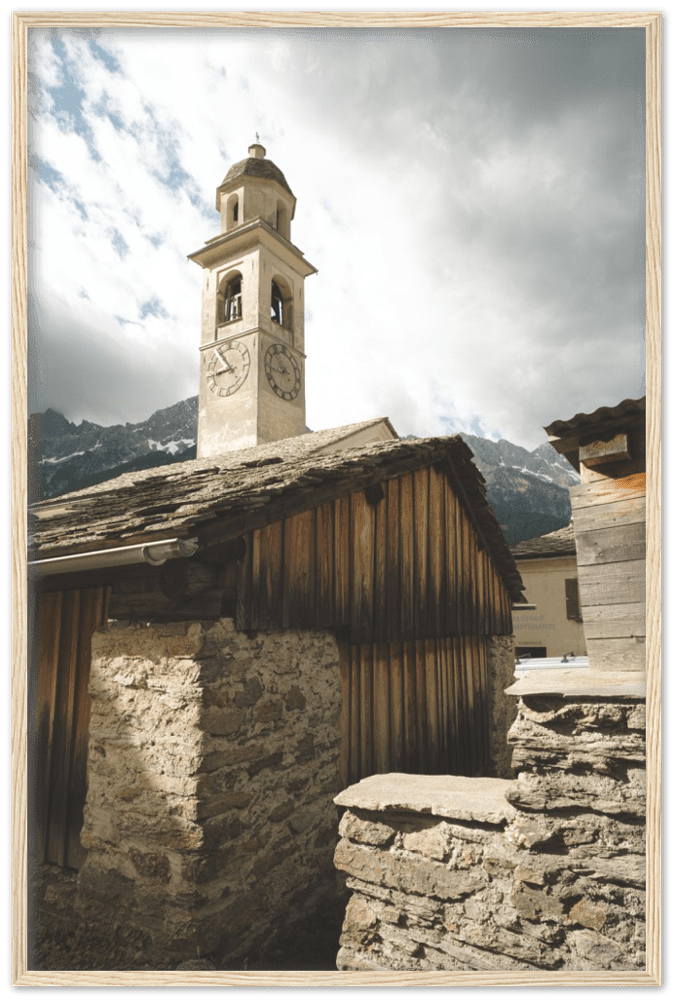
{"x": 599, "y": 452}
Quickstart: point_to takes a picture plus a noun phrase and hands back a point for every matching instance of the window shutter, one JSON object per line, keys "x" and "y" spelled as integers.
{"x": 572, "y": 599}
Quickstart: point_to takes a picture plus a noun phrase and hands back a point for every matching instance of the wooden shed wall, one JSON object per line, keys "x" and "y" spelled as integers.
{"x": 415, "y": 707}
{"x": 66, "y": 621}
{"x": 609, "y": 524}
{"x": 398, "y": 562}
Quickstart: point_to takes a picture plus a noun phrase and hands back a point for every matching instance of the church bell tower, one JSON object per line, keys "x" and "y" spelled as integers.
{"x": 252, "y": 360}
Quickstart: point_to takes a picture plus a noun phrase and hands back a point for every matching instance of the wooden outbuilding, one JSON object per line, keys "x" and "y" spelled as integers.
{"x": 608, "y": 448}
{"x": 392, "y": 547}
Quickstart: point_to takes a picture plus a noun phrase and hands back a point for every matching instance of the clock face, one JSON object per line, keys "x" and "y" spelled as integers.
{"x": 228, "y": 368}
{"x": 283, "y": 371}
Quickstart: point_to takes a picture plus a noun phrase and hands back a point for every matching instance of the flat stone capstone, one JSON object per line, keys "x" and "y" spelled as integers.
{"x": 581, "y": 683}
{"x": 447, "y": 795}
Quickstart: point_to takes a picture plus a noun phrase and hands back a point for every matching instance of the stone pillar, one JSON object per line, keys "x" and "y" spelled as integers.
{"x": 579, "y": 745}
{"x": 213, "y": 759}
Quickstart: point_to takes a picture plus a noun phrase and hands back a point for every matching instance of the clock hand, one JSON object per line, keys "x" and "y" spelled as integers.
{"x": 228, "y": 366}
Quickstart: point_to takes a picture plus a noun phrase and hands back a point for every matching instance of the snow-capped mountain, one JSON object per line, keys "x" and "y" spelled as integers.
{"x": 528, "y": 490}
{"x": 543, "y": 462}
{"x": 65, "y": 457}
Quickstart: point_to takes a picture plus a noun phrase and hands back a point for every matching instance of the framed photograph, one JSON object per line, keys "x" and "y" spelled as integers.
{"x": 480, "y": 193}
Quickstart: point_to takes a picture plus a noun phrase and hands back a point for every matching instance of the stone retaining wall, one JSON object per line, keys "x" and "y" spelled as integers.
{"x": 213, "y": 761}
{"x": 543, "y": 872}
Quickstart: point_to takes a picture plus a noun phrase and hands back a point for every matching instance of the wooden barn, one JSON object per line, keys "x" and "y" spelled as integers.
{"x": 392, "y": 548}
{"x": 608, "y": 448}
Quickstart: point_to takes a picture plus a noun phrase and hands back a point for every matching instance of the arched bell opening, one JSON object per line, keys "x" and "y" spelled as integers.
{"x": 229, "y": 298}
{"x": 281, "y": 308}
{"x": 233, "y": 211}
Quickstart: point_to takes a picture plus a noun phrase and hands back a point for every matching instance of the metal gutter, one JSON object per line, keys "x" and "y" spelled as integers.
{"x": 154, "y": 553}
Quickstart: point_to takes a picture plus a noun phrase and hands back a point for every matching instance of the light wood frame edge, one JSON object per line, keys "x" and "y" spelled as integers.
{"x": 651, "y": 21}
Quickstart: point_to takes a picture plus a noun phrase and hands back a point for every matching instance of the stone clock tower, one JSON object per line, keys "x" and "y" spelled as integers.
{"x": 252, "y": 360}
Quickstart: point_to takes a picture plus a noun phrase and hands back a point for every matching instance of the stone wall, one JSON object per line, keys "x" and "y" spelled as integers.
{"x": 501, "y": 673}
{"x": 213, "y": 761}
{"x": 543, "y": 872}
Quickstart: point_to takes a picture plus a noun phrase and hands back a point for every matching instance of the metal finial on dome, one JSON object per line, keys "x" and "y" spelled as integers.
{"x": 257, "y": 137}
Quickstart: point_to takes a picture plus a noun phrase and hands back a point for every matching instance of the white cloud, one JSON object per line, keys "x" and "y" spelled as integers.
{"x": 473, "y": 208}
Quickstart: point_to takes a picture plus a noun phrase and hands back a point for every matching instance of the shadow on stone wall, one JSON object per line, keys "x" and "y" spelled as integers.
{"x": 209, "y": 822}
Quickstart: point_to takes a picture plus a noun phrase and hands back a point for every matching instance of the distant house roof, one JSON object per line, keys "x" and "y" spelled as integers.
{"x": 254, "y": 167}
{"x": 220, "y": 498}
{"x": 556, "y": 543}
{"x": 626, "y": 408}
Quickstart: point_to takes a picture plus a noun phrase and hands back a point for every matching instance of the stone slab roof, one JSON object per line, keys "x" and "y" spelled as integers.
{"x": 254, "y": 167}
{"x": 556, "y": 543}
{"x": 220, "y": 498}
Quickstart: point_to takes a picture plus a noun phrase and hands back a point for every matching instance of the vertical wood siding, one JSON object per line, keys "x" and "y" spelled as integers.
{"x": 403, "y": 576}
{"x": 414, "y": 707}
{"x": 398, "y": 567}
{"x": 66, "y": 621}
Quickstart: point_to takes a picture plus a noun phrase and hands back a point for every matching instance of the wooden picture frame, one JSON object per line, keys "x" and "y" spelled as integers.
{"x": 651, "y": 22}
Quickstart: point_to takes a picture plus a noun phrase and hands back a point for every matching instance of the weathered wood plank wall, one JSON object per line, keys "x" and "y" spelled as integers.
{"x": 401, "y": 564}
{"x": 401, "y": 573}
{"x": 66, "y": 621}
{"x": 414, "y": 707}
{"x": 609, "y": 524}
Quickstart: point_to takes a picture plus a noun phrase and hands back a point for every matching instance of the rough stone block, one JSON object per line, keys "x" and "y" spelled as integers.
{"x": 588, "y": 914}
{"x": 222, "y": 723}
{"x": 600, "y": 950}
{"x": 408, "y": 874}
{"x": 365, "y": 831}
{"x": 432, "y": 842}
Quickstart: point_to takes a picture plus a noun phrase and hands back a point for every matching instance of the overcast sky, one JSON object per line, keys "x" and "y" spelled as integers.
{"x": 473, "y": 201}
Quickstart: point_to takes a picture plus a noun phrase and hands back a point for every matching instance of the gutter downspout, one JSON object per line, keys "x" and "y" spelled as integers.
{"x": 154, "y": 553}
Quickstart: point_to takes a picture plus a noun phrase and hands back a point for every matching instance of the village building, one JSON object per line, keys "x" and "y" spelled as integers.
{"x": 548, "y": 567}
{"x": 224, "y": 644}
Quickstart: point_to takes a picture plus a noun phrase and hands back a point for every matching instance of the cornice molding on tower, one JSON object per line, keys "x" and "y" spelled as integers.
{"x": 250, "y": 234}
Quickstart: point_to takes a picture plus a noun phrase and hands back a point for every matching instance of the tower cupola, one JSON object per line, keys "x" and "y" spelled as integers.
{"x": 255, "y": 188}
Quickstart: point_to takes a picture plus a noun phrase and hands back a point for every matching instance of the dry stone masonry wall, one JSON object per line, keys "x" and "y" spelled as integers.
{"x": 213, "y": 762}
{"x": 543, "y": 872}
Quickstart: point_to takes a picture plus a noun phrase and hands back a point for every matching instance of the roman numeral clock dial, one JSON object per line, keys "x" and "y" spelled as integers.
{"x": 283, "y": 372}
{"x": 228, "y": 368}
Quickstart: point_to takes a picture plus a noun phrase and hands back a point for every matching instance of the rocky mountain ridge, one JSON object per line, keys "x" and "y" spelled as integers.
{"x": 528, "y": 490}
{"x": 64, "y": 457}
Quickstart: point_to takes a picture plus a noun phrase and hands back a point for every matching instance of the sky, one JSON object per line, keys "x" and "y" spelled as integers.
{"x": 473, "y": 200}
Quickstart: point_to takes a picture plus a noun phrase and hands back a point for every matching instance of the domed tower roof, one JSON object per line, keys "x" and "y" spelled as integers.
{"x": 257, "y": 166}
